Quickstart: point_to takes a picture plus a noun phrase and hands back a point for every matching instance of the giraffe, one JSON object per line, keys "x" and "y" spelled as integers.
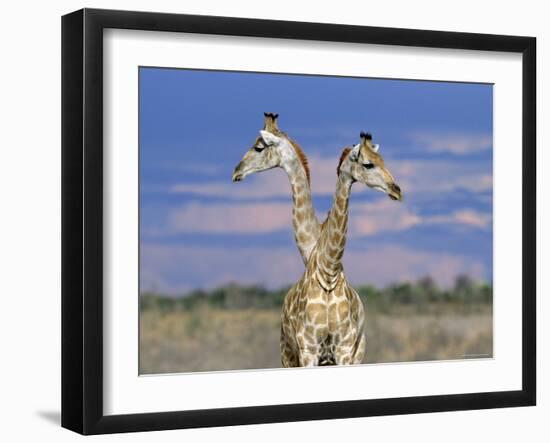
{"x": 323, "y": 316}
{"x": 271, "y": 149}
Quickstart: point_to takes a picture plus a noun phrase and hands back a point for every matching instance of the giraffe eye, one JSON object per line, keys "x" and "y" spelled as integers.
{"x": 368, "y": 165}
{"x": 259, "y": 147}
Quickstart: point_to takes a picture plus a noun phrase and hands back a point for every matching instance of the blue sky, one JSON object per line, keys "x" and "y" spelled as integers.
{"x": 199, "y": 230}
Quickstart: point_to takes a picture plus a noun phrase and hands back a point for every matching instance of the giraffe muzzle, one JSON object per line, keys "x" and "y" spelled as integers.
{"x": 395, "y": 192}
{"x": 238, "y": 175}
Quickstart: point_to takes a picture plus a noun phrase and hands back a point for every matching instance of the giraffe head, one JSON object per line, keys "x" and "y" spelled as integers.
{"x": 364, "y": 164}
{"x": 271, "y": 149}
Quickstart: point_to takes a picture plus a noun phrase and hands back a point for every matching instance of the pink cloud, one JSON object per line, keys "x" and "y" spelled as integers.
{"x": 176, "y": 269}
{"x": 382, "y": 215}
{"x": 394, "y": 263}
{"x": 242, "y": 218}
{"x": 187, "y": 267}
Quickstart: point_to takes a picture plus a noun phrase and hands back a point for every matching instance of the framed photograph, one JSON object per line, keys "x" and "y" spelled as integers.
{"x": 268, "y": 221}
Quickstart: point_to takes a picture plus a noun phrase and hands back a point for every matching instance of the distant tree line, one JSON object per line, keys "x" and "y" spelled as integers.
{"x": 424, "y": 292}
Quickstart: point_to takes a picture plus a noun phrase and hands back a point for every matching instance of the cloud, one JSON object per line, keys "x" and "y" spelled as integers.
{"x": 365, "y": 218}
{"x": 241, "y": 218}
{"x": 380, "y": 216}
{"x": 414, "y": 177}
{"x": 441, "y": 176}
{"x": 179, "y": 268}
{"x": 387, "y": 216}
{"x": 201, "y": 169}
{"x": 176, "y": 269}
{"x": 455, "y": 143}
{"x": 393, "y": 263}
{"x": 467, "y": 217}
{"x": 248, "y": 207}
{"x": 269, "y": 184}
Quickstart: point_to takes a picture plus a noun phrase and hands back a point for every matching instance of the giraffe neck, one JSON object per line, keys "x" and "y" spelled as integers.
{"x": 332, "y": 241}
{"x": 305, "y": 224}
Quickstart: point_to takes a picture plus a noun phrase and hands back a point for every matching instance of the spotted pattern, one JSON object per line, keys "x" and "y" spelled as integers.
{"x": 323, "y": 316}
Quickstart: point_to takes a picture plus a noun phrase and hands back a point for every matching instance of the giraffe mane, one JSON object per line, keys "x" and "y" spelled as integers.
{"x": 344, "y": 155}
{"x": 299, "y": 152}
{"x": 302, "y": 157}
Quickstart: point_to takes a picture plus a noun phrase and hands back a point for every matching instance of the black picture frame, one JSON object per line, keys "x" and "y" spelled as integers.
{"x": 82, "y": 220}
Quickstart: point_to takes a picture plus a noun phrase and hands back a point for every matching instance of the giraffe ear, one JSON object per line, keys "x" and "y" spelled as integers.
{"x": 269, "y": 139}
{"x": 354, "y": 153}
{"x": 375, "y": 148}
